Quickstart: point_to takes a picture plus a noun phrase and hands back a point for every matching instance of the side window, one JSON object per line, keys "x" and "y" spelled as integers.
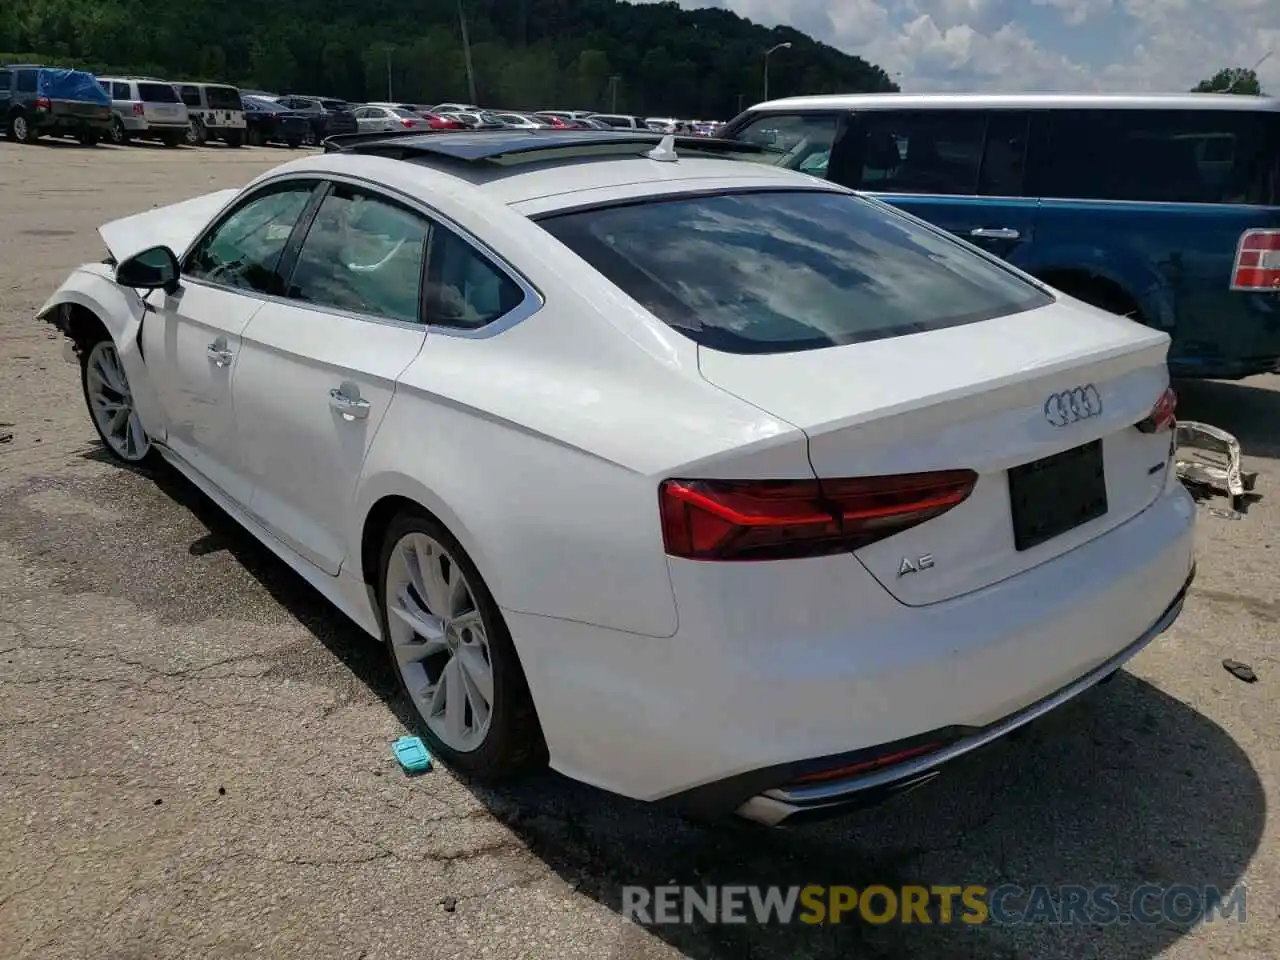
{"x": 464, "y": 289}
{"x": 121, "y": 91}
{"x": 244, "y": 250}
{"x": 1005, "y": 159}
{"x": 26, "y": 81}
{"x": 1157, "y": 156}
{"x": 4, "y": 81}
{"x": 922, "y": 151}
{"x": 799, "y": 142}
{"x": 362, "y": 254}
{"x": 365, "y": 113}
{"x": 190, "y": 95}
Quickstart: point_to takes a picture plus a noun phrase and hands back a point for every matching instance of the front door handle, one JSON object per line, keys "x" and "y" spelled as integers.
{"x": 995, "y": 233}
{"x": 218, "y": 354}
{"x": 351, "y": 406}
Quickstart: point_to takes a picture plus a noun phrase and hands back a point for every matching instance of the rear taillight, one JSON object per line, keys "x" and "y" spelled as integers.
{"x": 779, "y": 519}
{"x": 1162, "y": 414}
{"x": 138, "y": 109}
{"x": 406, "y": 122}
{"x": 44, "y": 103}
{"x": 1257, "y": 266}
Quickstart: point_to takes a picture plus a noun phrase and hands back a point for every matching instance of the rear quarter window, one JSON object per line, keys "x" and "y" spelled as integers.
{"x": 779, "y": 271}
{"x": 1162, "y": 156}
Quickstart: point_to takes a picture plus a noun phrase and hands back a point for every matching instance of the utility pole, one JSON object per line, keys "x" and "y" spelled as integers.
{"x": 466, "y": 52}
{"x": 389, "y": 97}
{"x": 613, "y": 93}
{"x": 741, "y": 97}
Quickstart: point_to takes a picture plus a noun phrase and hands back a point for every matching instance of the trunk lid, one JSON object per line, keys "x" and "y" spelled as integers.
{"x": 979, "y": 397}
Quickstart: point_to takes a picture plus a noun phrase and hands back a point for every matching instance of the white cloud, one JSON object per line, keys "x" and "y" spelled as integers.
{"x": 1124, "y": 45}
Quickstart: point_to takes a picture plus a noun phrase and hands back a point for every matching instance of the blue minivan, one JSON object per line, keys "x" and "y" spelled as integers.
{"x": 1165, "y": 208}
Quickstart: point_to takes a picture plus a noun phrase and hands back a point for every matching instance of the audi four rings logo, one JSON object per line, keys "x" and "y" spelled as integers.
{"x": 1074, "y": 405}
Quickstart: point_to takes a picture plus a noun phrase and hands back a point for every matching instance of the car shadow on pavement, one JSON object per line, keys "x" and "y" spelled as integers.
{"x": 1247, "y": 411}
{"x": 1126, "y": 786}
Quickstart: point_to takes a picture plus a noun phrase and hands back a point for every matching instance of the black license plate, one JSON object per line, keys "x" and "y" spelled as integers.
{"x": 1057, "y": 494}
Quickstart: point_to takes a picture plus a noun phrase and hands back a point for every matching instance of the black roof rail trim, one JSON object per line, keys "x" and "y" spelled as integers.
{"x": 476, "y": 146}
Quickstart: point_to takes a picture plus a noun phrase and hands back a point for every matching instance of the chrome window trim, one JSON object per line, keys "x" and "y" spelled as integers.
{"x": 531, "y": 302}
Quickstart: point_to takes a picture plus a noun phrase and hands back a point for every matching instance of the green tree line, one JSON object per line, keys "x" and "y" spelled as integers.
{"x": 526, "y": 54}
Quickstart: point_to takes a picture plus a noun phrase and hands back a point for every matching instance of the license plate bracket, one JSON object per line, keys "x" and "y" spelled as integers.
{"x": 1052, "y": 496}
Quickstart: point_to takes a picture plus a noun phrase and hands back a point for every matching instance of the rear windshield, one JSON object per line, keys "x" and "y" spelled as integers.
{"x": 157, "y": 93}
{"x": 223, "y": 98}
{"x": 778, "y": 271}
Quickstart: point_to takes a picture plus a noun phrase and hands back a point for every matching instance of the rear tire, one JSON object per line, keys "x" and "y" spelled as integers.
{"x": 234, "y": 138}
{"x": 20, "y": 129}
{"x": 431, "y": 597}
{"x": 88, "y": 138}
{"x": 119, "y": 135}
{"x": 293, "y": 144}
{"x": 172, "y": 139}
{"x": 197, "y": 135}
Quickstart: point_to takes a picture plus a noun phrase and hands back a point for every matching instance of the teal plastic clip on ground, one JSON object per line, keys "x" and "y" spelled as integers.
{"x": 412, "y": 754}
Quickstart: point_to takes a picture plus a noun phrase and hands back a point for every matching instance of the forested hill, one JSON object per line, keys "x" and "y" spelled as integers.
{"x": 526, "y": 53}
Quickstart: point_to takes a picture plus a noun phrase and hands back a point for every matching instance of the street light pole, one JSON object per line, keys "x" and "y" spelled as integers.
{"x": 466, "y": 52}
{"x": 1254, "y": 70}
{"x": 786, "y": 45}
{"x": 613, "y": 93}
{"x": 389, "y": 97}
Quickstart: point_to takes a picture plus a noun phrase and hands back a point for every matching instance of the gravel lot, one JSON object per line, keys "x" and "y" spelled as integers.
{"x": 194, "y": 746}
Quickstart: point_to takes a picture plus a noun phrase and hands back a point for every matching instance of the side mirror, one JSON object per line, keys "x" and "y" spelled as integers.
{"x": 153, "y": 269}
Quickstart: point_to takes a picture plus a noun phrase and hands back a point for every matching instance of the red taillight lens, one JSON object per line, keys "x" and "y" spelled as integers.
{"x": 779, "y": 519}
{"x": 44, "y": 103}
{"x": 866, "y": 766}
{"x": 406, "y": 122}
{"x": 1257, "y": 266}
{"x": 138, "y": 110}
{"x": 1161, "y": 416}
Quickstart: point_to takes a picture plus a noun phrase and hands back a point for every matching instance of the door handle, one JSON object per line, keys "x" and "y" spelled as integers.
{"x": 995, "y": 233}
{"x": 218, "y": 354}
{"x": 351, "y": 408}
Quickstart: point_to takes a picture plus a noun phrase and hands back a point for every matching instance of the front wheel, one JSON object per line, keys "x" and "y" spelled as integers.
{"x": 110, "y": 401}
{"x": 453, "y": 654}
{"x": 172, "y": 139}
{"x": 196, "y": 134}
{"x": 88, "y": 138}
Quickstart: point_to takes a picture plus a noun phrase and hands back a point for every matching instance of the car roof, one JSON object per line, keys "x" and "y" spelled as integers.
{"x": 1027, "y": 101}
{"x": 562, "y": 169}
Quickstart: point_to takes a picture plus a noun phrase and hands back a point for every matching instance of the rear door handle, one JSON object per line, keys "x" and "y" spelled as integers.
{"x": 995, "y": 233}
{"x": 351, "y": 408}
{"x": 218, "y": 354}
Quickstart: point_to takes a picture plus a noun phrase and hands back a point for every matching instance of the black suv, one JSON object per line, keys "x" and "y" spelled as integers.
{"x": 36, "y": 100}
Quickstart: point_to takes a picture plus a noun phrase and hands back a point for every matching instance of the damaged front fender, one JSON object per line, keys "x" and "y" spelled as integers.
{"x": 91, "y": 296}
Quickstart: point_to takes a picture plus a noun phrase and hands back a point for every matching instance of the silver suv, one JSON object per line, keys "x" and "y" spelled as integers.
{"x": 146, "y": 109}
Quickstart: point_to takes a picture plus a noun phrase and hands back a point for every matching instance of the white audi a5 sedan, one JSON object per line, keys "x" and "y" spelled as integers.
{"x": 706, "y": 482}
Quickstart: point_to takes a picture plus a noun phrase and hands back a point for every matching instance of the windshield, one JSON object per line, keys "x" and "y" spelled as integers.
{"x": 157, "y": 93}
{"x": 777, "y": 271}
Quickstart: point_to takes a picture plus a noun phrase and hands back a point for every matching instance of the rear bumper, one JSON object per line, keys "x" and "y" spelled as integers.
{"x": 782, "y": 670}
{"x": 787, "y": 805}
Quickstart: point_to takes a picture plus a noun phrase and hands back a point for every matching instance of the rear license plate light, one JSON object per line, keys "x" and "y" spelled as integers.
{"x": 1049, "y": 497}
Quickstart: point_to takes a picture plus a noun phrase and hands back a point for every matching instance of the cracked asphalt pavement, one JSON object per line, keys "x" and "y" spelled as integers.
{"x": 194, "y": 754}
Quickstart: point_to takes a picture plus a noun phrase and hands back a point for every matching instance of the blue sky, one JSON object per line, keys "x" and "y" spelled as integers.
{"x": 1038, "y": 45}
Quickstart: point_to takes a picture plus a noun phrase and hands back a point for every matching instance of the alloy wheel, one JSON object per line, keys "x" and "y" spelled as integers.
{"x": 440, "y": 641}
{"x": 111, "y": 404}
{"x": 20, "y": 128}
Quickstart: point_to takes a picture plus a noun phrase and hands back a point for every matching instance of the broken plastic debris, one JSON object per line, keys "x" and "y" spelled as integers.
{"x": 1208, "y": 457}
{"x": 1241, "y": 671}
{"x": 412, "y": 755}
